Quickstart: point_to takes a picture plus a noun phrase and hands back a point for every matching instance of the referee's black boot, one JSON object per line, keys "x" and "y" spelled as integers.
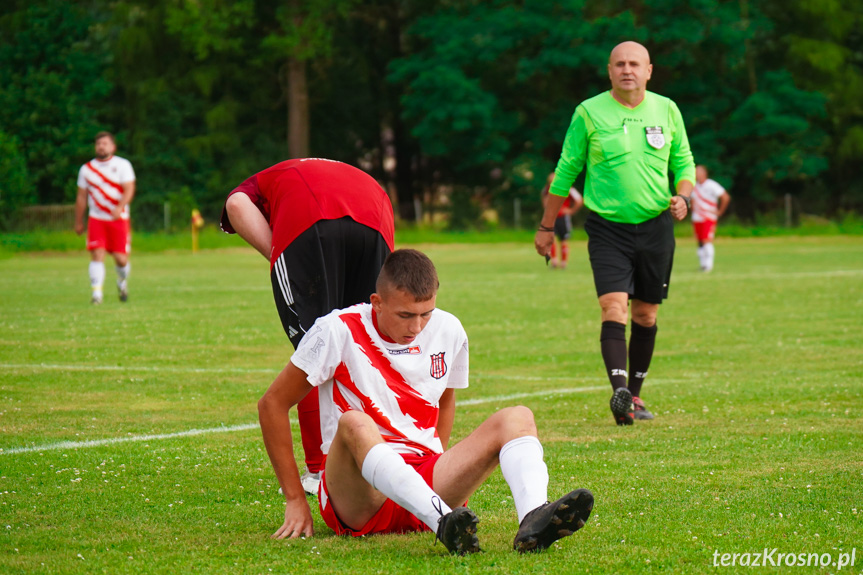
{"x": 621, "y": 406}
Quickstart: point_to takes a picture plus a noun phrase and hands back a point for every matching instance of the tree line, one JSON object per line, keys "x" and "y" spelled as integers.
{"x": 470, "y": 99}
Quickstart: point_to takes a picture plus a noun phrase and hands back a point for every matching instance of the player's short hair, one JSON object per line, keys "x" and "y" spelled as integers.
{"x": 101, "y": 135}
{"x": 410, "y": 271}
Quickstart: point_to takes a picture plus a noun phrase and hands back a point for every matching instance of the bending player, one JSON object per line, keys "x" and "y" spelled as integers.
{"x": 387, "y": 374}
{"x": 326, "y": 228}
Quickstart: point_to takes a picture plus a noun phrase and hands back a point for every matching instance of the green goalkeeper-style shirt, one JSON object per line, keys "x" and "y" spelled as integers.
{"x": 628, "y": 152}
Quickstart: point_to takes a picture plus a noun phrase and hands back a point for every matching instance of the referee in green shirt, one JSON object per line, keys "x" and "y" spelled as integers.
{"x": 628, "y": 139}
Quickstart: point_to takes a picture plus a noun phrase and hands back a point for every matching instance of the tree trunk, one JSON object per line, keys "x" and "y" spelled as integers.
{"x": 298, "y": 109}
{"x": 747, "y": 48}
{"x": 405, "y": 174}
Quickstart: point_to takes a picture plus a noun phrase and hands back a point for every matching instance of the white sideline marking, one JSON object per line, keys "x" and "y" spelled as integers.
{"x": 112, "y": 440}
{"x": 247, "y": 426}
{"x": 50, "y": 366}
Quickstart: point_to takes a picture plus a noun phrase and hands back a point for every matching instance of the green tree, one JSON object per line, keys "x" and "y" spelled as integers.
{"x": 490, "y": 86}
{"x": 821, "y": 44}
{"x": 16, "y": 189}
{"x": 52, "y": 74}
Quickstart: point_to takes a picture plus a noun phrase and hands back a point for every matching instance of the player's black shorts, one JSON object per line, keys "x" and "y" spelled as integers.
{"x": 332, "y": 265}
{"x": 563, "y": 227}
{"x": 631, "y": 258}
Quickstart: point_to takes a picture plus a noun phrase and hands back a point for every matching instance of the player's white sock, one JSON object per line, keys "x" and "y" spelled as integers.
{"x": 122, "y": 274}
{"x": 387, "y": 472}
{"x": 97, "y": 278}
{"x": 525, "y": 472}
{"x": 701, "y": 256}
{"x": 709, "y": 251}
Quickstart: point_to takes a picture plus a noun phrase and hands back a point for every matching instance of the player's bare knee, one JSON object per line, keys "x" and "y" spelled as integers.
{"x": 644, "y": 315}
{"x": 354, "y": 423}
{"x": 517, "y": 421}
{"x": 613, "y": 309}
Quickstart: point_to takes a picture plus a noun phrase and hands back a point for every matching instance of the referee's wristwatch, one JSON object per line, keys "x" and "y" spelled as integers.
{"x": 686, "y": 200}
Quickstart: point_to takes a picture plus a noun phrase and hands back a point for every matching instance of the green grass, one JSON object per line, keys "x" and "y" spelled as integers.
{"x": 212, "y": 237}
{"x": 756, "y": 384}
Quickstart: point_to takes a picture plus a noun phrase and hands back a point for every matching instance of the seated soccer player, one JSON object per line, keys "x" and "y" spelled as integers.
{"x": 387, "y": 374}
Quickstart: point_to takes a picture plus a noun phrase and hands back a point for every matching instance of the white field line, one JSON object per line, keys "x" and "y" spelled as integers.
{"x": 167, "y": 369}
{"x": 248, "y": 426}
{"x": 136, "y": 438}
{"x": 696, "y": 276}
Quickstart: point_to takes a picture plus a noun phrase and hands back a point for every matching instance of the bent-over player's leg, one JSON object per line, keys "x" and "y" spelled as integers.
{"x": 366, "y": 249}
{"x": 302, "y": 295}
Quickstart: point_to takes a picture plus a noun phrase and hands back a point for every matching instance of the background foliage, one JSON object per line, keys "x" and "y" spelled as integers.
{"x": 469, "y": 97}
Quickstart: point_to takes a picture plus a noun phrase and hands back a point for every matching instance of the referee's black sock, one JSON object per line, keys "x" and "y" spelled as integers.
{"x": 612, "y": 340}
{"x": 641, "y": 343}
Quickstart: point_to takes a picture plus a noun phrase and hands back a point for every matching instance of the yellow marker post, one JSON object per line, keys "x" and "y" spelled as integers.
{"x": 197, "y": 224}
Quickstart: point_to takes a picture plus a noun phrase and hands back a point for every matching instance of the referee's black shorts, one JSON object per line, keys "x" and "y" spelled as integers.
{"x": 332, "y": 265}
{"x": 631, "y": 258}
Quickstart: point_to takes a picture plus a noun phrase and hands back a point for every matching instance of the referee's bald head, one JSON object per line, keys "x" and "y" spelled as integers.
{"x": 629, "y": 47}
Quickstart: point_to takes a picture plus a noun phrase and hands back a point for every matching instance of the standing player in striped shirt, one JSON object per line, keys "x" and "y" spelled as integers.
{"x": 326, "y": 228}
{"x": 387, "y": 373}
{"x": 709, "y": 202}
{"x": 107, "y": 185}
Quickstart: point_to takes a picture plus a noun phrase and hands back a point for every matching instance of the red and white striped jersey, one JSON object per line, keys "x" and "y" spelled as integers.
{"x": 103, "y": 182}
{"x": 398, "y": 386}
{"x": 705, "y": 198}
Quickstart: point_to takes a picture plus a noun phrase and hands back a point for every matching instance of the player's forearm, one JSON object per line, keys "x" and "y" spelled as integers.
{"x": 723, "y": 204}
{"x": 248, "y": 221}
{"x": 684, "y": 188}
{"x": 80, "y": 208}
{"x": 276, "y": 430}
{"x": 128, "y": 194}
{"x": 552, "y": 207}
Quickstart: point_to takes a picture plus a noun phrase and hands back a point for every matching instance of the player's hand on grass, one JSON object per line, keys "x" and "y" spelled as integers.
{"x": 298, "y": 521}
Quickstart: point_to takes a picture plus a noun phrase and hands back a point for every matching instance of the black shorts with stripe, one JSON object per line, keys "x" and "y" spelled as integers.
{"x": 332, "y": 265}
{"x": 631, "y": 258}
{"x": 563, "y": 227}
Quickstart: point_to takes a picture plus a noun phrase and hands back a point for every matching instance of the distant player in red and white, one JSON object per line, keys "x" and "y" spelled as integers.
{"x": 387, "y": 373}
{"x": 107, "y": 185}
{"x": 709, "y": 202}
{"x": 326, "y": 228}
{"x": 563, "y": 223}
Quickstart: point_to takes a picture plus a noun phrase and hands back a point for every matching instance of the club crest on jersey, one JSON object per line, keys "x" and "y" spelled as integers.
{"x": 412, "y": 350}
{"x": 438, "y": 365}
{"x": 655, "y": 137}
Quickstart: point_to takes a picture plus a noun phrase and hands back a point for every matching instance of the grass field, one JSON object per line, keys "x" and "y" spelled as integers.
{"x": 130, "y": 445}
